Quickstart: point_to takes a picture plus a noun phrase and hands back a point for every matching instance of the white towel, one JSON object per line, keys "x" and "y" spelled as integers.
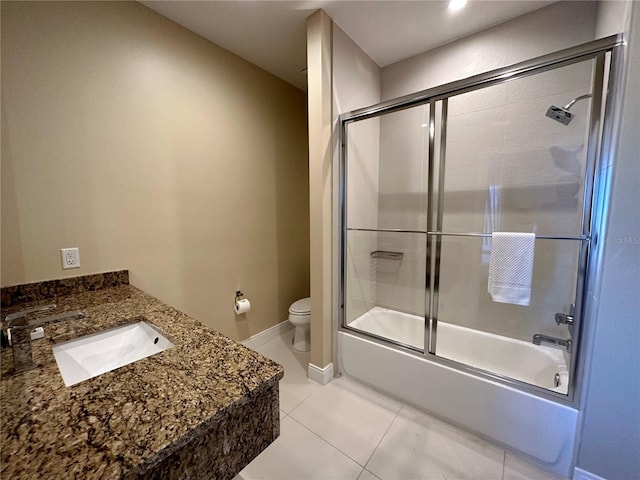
{"x": 510, "y": 267}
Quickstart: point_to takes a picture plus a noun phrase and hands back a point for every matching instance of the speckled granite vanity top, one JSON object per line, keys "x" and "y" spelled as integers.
{"x": 202, "y": 409}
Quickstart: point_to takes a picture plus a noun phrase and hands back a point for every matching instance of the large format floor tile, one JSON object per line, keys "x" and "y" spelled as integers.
{"x": 418, "y": 446}
{"x": 299, "y": 454}
{"x": 331, "y": 431}
{"x": 348, "y": 415}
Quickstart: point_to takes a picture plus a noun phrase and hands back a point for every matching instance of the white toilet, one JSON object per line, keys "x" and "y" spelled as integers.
{"x": 300, "y": 316}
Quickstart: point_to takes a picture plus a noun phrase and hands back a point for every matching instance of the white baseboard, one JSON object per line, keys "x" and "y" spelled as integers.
{"x": 580, "y": 474}
{"x": 267, "y": 335}
{"x": 320, "y": 375}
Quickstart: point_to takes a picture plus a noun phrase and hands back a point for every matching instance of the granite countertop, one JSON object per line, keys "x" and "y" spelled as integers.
{"x": 123, "y": 423}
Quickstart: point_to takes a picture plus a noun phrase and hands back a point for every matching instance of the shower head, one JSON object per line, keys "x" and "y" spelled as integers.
{"x": 559, "y": 114}
{"x": 562, "y": 114}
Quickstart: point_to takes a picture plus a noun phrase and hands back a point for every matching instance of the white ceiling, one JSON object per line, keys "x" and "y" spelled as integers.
{"x": 272, "y": 33}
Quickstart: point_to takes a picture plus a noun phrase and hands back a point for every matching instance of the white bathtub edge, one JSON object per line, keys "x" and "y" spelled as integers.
{"x": 580, "y": 474}
{"x": 507, "y": 412}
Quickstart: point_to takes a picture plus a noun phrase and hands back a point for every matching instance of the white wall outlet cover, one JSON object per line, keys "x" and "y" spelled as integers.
{"x": 70, "y": 257}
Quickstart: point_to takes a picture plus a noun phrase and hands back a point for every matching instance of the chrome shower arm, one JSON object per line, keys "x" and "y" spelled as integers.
{"x": 577, "y": 99}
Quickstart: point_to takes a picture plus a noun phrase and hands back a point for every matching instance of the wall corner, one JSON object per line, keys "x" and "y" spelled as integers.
{"x": 320, "y": 100}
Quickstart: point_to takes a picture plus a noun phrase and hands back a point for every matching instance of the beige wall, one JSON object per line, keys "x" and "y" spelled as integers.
{"x": 151, "y": 149}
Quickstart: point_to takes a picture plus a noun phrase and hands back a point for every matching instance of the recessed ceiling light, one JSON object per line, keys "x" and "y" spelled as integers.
{"x": 455, "y": 5}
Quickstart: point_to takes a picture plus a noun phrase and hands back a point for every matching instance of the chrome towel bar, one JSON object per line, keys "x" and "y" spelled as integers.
{"x": 581, "y": 238}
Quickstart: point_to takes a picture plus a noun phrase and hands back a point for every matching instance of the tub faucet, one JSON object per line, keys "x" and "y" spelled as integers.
{"x": 539, "y": 339}
{"x": 20, "y": 333}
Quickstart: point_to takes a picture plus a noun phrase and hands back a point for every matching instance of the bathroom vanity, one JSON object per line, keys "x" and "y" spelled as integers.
{"x": 203, "y": 408}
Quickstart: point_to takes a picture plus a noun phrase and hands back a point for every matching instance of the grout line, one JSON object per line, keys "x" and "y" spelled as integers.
{"x": 327, "y": 442}
{"x": 300, "y": 403}
{"x": 289, "y": 415}
{"x": 336, "y": 447}
{"x": 383, "y": 436}
{"x": 365, "y": 470}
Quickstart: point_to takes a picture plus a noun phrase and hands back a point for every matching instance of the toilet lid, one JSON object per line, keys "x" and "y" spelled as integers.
{"x": 301, "y": 306}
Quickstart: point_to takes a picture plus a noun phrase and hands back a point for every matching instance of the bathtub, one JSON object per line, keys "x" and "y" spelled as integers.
{"x": 508, "y": 357}
{"x": 538, "y": 427}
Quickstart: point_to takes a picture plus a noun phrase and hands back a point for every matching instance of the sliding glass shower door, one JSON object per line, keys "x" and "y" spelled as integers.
{"x": 428, "y": 180}
{"x": 386, "y": 194}
{"x": 511, "y": 168}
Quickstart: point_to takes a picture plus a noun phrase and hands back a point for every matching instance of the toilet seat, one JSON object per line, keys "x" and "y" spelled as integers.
{"x": 301, "y": 307}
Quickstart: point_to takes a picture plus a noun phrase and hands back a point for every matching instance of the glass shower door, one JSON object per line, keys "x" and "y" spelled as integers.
{"x": 385, "y": 226}
{"x": 508, "y": 167}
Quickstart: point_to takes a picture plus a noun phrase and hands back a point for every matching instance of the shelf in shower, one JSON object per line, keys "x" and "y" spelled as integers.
{"x": 387, "y": 255}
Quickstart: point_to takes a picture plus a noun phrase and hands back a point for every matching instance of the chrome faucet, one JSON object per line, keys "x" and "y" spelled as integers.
{"x": 19, "y": 332}
{"x": 539, "y": 339}
{"x": 15, "y": 318}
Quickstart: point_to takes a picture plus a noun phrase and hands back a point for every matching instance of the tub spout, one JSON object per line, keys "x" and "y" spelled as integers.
{"x": 539, "y": 339}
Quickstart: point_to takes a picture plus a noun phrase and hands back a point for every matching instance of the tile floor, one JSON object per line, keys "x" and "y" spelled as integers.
{"x": 345, "y": 430}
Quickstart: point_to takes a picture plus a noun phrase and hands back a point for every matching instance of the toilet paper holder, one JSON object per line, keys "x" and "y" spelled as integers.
{"x": 241, "y": 304}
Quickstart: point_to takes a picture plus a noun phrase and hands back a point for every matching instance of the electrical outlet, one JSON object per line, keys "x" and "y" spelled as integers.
{"x": 70, "y": 257}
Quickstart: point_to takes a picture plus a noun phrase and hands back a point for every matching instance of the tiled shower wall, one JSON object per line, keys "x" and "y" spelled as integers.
{"x": 356, "y": 83}
{"x": 362, "y": 198}
{"x": 404, "y": 143}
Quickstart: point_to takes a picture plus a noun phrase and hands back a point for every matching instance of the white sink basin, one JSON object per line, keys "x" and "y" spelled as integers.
{"x": 92, "y": 355}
